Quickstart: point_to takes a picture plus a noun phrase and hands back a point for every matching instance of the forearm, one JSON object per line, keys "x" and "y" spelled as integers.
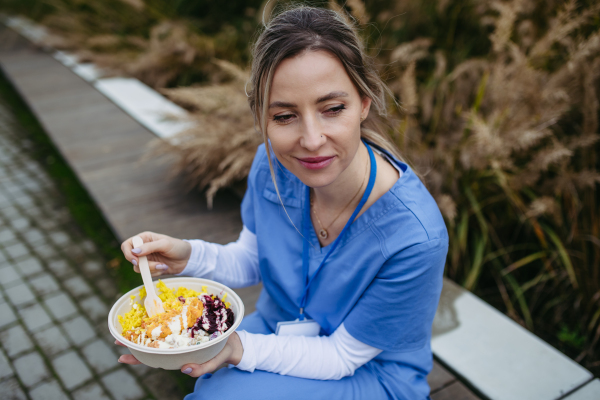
{"x": 234, "y": 264}
{"x": 322, "y": 357}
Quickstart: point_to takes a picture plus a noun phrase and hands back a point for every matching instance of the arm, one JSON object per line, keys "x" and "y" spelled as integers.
{"x": 321, "y": 357}
{"x": 234, "y": 264}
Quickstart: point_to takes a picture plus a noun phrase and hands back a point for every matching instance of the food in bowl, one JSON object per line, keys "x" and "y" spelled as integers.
{"x": 190, "y": 318}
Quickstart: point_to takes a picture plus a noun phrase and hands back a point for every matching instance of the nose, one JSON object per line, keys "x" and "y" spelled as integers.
{"x": 312, "y": 135}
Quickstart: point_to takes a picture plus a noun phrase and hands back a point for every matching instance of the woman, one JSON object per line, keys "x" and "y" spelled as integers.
{"x": 343, "y": 235}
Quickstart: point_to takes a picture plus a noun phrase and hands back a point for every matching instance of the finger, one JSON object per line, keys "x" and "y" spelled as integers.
{"x": 119, "y": 343}
{"x": 197, "y": 370}
{"x": 158, "y": 246}
{"x": 158, "y": 268}
{"x": 128, "y": 359}
{"x": 127, "y": 245}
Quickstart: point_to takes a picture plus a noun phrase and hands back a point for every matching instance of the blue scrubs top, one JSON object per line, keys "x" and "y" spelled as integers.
{"x": 383, "y": 281}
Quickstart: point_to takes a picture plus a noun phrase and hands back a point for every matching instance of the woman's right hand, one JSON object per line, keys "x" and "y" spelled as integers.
{"x": 166, "y": 255}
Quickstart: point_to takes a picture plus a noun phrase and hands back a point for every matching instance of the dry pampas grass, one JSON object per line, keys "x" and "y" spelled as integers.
{"x": 507, "y": 144}
{"x": 218, "y": 152}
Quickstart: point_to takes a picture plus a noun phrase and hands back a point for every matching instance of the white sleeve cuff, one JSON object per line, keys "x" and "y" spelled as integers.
{"x": 248, "y": 362}
{"x": 203, "y": 259}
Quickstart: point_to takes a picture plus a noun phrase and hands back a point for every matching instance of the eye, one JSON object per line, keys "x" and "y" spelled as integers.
{"x": 335, "y": 110}
{"x": 283, "y": 119}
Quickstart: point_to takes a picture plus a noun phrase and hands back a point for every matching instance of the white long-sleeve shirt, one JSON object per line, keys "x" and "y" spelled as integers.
{"x": 320, "y": 357}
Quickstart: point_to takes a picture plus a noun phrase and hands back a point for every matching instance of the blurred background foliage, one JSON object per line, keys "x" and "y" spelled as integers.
{"x": 499, "y": 113}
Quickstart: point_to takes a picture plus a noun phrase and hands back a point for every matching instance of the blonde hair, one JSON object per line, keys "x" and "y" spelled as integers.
{"x": 304, "y": 28}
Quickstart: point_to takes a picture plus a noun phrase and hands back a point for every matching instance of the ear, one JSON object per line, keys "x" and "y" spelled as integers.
{"x": 365, "y": 107}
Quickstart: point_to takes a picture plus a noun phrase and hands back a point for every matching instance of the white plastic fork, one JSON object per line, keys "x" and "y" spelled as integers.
{"x": 153, "y": 303}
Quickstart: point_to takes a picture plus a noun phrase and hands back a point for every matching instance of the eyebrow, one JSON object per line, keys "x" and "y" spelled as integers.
{"x": 329, "y": 96}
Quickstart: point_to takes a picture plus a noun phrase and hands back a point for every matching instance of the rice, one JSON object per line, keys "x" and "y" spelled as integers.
{"x": 190, "y": 317}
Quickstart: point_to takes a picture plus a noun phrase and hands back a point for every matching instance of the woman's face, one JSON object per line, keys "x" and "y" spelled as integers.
{"x": 314, "y": 115}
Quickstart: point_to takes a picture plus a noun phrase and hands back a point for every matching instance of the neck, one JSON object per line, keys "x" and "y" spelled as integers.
{"x": 337, "y": 194}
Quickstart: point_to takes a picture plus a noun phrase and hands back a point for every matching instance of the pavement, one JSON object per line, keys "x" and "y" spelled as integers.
{"x": 55, "y": 294}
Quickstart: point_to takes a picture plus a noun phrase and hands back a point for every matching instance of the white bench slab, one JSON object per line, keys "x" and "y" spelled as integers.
{"x": 88, "y": 71}
{"x": 145, "y": 105}
{"x": 27, "y": 28}
{"x": 497, "y": 356}
{"x": 591, "y": 391}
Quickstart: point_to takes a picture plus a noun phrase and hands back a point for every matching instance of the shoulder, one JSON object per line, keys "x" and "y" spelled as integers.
{"x": 415, "y": 218}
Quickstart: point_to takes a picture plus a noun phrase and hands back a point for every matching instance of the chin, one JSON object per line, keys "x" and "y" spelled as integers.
{"x": 316, "y": 179}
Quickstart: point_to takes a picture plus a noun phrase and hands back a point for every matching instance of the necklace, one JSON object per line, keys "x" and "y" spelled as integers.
{"x": 323, "y": 231}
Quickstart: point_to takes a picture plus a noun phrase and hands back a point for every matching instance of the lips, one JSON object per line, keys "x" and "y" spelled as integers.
{"x": 315, "y": 162}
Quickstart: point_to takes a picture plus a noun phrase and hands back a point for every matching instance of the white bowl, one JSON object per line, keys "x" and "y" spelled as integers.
{"x": 176, "y": 358}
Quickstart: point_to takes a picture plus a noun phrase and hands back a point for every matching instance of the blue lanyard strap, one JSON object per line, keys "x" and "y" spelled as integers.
{"x": 307, "y": 224}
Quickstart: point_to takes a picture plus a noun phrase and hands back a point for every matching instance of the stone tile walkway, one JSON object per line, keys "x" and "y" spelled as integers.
{"x": 55, "y": 293}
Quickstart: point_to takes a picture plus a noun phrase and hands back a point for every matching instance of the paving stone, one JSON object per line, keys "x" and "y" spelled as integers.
{"x": 20, "y": 294}
{"x": 32, "y": 212}
{"x": 95, "y": 308}
{"x": 60, "y": 306}
{"x": 7, "y": 316}
{"x": 7, "y": 236}
{"x": 91, "y": 392}
{"x": 93, "y": 267}
{"x": 79, "y": 330}
{"x": 15, "y": 340}
{"x": 35, "y": 317}
{"x": 100, "y": 356}
{"x": 71, "y": 369}
{"x": 5, "y": 368}
{"x": 140, "y": 370}
{"x": 88, "y": 246}
{"x": 20, "y": 224}
{"x": 16, "y": 250}
{"x": 8, "y": 275}
{"x": 75, "y": 253}
{"x": 31, "y": 369}
{"x": 33, "y": 235}
{"x": 47, "y": 223}
{"x": 4, "y": 201}
{"x": 60, "y": 238}
{"x": 77, "y": 286}
{"x": 122, "y": 385}
{"x": 44, "y": 284}
{"x": 48, "y": 391}
{"x": 52, "y": 340}
{"x": 108, "y": 287}
{"x": 61, "y": 268}
{"x": 45, "y": 251}
{"x": 29, "y": 266}
{"x": 11, "y": 390}
{"x": 11, "y": 213}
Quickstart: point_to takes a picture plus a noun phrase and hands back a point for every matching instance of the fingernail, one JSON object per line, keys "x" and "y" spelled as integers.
{"x": 137, "y": 250}
{"x": 162, "y": 266}
{"x": 119, "y": 360}
{"x": 134, "y": 262}
{"x": 187, "y": 370}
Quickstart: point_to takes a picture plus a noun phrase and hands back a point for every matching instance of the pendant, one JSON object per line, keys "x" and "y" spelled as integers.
{"x": 323, "y": 233}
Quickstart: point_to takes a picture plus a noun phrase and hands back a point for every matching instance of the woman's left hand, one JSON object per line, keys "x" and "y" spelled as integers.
{"x": 231, "y": 354}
